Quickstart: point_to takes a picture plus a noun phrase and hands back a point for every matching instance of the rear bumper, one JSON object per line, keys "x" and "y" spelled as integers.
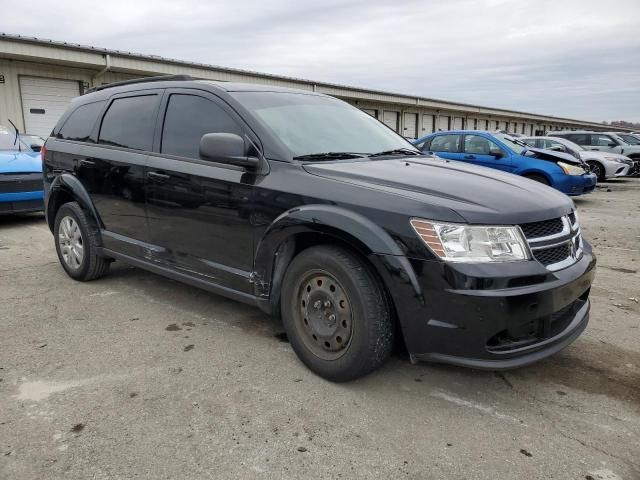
{"x": 22, "y": 202}
{"x": 491, "y": 316}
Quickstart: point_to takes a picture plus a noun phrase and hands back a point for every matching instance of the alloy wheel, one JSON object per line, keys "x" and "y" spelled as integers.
{"x": 70, "y": 242}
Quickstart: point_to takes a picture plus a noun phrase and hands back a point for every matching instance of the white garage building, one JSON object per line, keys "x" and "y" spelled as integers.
{"x": 38, "y": 78}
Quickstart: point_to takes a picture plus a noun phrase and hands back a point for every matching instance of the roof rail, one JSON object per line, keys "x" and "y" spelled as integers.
{"x": 160, "y": 78}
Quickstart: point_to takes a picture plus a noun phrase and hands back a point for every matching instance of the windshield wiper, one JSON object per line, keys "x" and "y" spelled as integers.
{"x": 396, "y": 151}
{"x": 330, "y": 156}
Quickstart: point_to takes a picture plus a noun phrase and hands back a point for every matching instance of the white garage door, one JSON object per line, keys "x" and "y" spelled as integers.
{"x": 410, "y": 127}
{"x": 427, "y": 124}
{"x": 44, "y": 100}
{"x": 373, "y": 113}
{"x": 458, "y": 123}
{"x": 443, "y": 123}
{"x": 390, "y": 119}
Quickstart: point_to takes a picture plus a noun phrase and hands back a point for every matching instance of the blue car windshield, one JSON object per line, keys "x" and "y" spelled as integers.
{"x": 8, "y": 140}
{"x": 511, "y": 143}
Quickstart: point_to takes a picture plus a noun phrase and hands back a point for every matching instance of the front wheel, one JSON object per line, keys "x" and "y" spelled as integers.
{"x": 77, "y": 245}
{"x": 538, "y": 178}
{"x": 336, "y": 313}
{"x": 597, "y": 169}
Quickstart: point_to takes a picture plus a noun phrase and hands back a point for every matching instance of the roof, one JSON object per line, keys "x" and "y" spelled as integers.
{"x": 415, "y": 99}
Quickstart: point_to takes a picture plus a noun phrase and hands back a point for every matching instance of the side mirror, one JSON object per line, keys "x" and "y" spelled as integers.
{"x": 612, "y": 145}
{"x": 35, "y": 148}
{"x": 226, "y": 148}
{"x": 556, "y": 148}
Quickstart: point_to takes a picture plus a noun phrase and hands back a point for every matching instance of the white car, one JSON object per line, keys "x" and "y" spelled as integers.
{"x": 603, "y": 164}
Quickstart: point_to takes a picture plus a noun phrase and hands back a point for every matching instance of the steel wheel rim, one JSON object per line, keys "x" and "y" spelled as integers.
{"x": 595, "y": 168}
{"x": 70, "y": 242}
{"x": 324, "y": 315}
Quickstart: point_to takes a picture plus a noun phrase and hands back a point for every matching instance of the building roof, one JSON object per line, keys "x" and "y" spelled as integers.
{"x": 333, "y": 89}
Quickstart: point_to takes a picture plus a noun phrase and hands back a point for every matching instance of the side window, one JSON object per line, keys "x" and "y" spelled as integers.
{"x": 602, "y": 140}
{"x": 579, "y": 138}
{"x": 80, "y": 123}
{"x": 130, "y": 122}
{"x": 551, "y": 143}
{"x": 445, "y": 143}
{"x": 479, "y": 145}
{"x": 187, "y": 119}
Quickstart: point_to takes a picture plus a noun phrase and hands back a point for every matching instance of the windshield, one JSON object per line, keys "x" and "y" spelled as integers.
{"x": 7, "y": 140}
{"x": 511, "y": 143}
{"x": 630, "y": 139}
{"x": 311, "y": 124}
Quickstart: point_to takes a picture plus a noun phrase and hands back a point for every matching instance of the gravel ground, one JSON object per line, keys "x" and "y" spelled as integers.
{"x": 136, "y": 376}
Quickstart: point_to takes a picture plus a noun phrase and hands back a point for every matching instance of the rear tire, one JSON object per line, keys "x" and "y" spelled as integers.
{"x": 76, "y": 243}
{"x": 598, "y": 169}
{"x": 538, "y": 178}
{"x": 336, "y": 313}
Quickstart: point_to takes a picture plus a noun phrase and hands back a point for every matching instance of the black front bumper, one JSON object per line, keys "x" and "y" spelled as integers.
{"x": 490, "y": 316}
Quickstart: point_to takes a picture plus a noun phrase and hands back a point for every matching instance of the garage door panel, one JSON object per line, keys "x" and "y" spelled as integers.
{"x": 390, "y": 119}
{"x": 44, "y": 100}
{"x": 410, "y": 127}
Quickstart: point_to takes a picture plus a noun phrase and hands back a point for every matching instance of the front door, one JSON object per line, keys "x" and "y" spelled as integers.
{"x": 447, "y": 146}
{"x": 199, "y": 210}
{"x": 482, "y": 151}
{"x": 604, "y": 143}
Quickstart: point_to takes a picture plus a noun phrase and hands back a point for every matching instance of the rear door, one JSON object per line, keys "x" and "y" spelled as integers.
{"x": 447, "y": 146}
{"x": 482, "y": 151}
{"x": 199, "y": 211}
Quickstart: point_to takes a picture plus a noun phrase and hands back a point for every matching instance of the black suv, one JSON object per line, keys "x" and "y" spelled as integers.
{"x": 308, "y": 208}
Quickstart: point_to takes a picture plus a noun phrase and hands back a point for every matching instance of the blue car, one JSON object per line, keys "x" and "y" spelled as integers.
{"x": 503, "y": 152}
{"x": 21, "y": 184}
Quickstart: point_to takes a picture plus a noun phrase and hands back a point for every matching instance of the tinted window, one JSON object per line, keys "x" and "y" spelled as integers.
{"x": 446, "y": 143}
{"x": 579, "y": 138}
{"x": 602, "y": 140}
{"x": 187, "y": 119}
{"x": 80, "y": 123}
{"x": 479, "y": 145}
{"x": 129, "y": 122}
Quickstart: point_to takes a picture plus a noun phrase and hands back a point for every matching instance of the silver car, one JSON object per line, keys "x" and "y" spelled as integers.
{"x": 604, "y": 142}
{"x": 603, "y": 164}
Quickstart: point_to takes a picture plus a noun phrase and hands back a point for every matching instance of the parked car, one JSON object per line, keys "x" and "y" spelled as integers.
{"x": 308, "y": 208}
{"x": 503, "y": 152}
{"x": 604, "y": 142}
{"x": 602, "y": 164}
{"x": 21, "y": 186}
{"x": 32, "y": 142}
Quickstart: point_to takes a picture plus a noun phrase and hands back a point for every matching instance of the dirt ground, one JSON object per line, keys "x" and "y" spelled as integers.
{"x": 136, "y": 376}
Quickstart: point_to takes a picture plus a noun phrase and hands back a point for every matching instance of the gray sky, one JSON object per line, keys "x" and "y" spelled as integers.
{"x": 571, "y": 58}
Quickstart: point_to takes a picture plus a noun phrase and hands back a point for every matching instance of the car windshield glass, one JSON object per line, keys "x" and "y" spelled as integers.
{"x": 32, "y": 140}
{"x": 7, "y": 140}
{"x": 630, "y": 139}
{"x": 313, "y": 124}
{"x": 512, "y": 143}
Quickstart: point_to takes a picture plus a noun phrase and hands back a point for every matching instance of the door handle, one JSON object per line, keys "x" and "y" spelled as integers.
{"x": 87, "y": 163}
{"x": 469, "y": 157}
{"x": 158, "y": 177}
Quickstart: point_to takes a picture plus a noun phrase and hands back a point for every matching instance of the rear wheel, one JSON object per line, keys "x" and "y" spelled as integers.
{"x": 538, "y": 178}
{"x": 597, "y": 169}
{"x": 77, "y": 244}
{"x": 336, "y": 313}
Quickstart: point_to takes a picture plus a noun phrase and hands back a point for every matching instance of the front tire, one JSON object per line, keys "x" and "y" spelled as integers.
{"x": 77, "y": 244}
{"x": 598, "y": 169}
{"x": 538, "y": 178}
{"x": 336, "y": 313}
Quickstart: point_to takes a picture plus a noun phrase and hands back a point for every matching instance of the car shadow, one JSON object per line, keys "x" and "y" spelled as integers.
{"x": 21, "y": 219}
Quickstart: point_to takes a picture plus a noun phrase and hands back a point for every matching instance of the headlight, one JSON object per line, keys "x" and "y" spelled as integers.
{"x": 470, "y": 243}
{"x": 571, "y": 169}
{"x": 614, "y": 159}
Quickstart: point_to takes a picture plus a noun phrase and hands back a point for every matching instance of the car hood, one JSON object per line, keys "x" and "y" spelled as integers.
{"x": 551, "y": 155}
{"x": 477, "y": 194}
{"x": 20, "y": 162}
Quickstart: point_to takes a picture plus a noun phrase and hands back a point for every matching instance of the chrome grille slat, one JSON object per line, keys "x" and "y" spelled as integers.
{"x": 555, "y": 243}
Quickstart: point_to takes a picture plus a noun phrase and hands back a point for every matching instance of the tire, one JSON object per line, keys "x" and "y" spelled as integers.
{"x": 336, "y": 313}
{"x": 598, "y": 169}
{"x": 538, "y": 178}
{"x": 77, "y": 244}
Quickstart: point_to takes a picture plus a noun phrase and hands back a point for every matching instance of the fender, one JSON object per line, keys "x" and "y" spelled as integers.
{"x": 69, "y": 183}
{"x": 274, "y": 251}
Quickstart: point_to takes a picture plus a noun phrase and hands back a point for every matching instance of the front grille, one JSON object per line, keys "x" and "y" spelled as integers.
{"x": 21, "y": 182}
{"x": 552, "y": 255}
{"x": 542, "y": 229}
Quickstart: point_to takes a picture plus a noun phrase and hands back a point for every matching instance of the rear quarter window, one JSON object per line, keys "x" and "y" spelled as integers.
{"x": 80, "y": 123}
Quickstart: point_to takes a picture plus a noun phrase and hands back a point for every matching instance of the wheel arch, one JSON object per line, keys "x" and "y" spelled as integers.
{"x": 67, "y": 188}
{"x": 310, "y": 225}
{"x": 540, "y": 173}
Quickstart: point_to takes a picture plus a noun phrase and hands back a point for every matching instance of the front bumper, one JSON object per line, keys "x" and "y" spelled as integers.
{"x": 575, "y": 184}
{"x": 497, "y": 316}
